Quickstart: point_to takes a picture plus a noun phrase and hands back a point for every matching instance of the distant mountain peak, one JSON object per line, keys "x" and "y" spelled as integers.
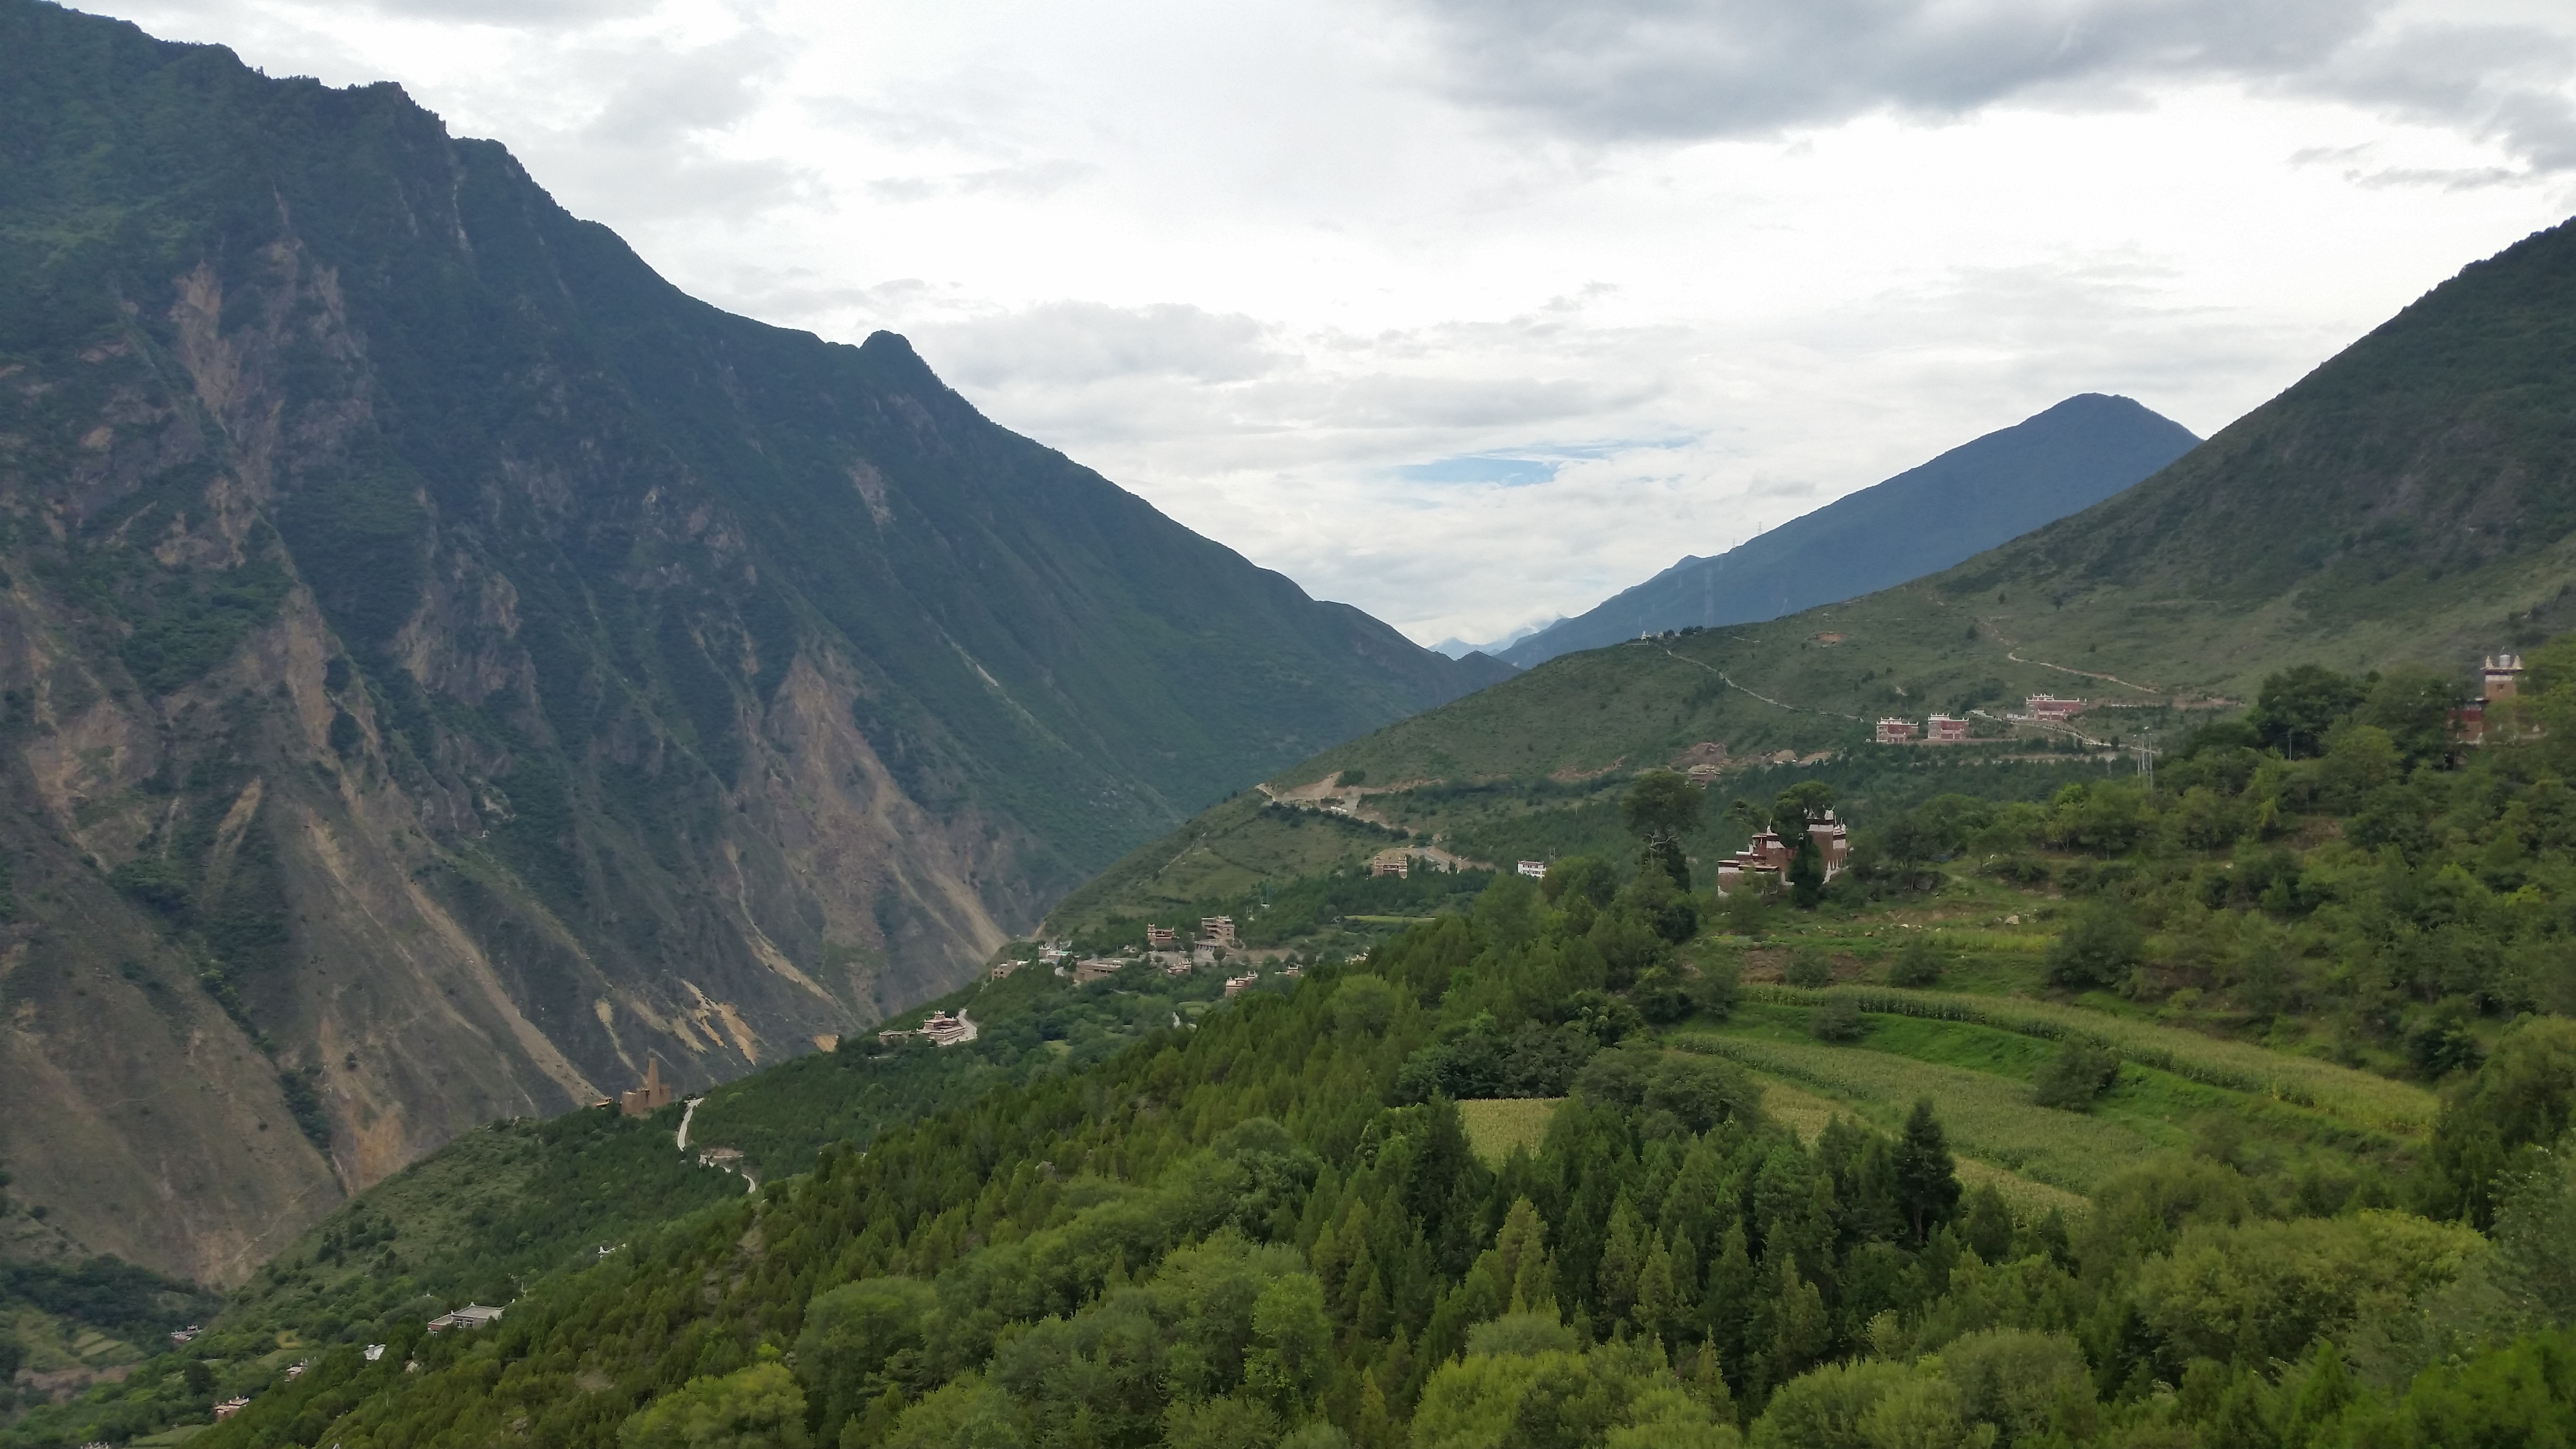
{"x": 1982, "y": 493}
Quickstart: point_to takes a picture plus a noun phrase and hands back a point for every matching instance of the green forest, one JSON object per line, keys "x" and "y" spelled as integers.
{"x": 2227, "y": 1106}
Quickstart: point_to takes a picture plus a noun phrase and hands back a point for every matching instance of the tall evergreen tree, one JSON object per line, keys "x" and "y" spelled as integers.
{"x": 1927, "y": 1178}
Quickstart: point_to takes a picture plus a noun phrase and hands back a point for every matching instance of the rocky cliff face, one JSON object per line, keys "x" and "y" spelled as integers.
{"x": 442, "y": 666}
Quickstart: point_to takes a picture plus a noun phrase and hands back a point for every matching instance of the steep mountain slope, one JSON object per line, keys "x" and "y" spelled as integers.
{"x": 2411, "y": 500}
{"x": 1969, "y": 499}
{"x": 443, "y": 665}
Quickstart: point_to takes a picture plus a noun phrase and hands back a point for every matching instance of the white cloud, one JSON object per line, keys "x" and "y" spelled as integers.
{"x": 1694, "y": 69}
{"x": 1693, "y": 264}
{"x": 1616, "y": 69}
{"x": 1074, "y": 343}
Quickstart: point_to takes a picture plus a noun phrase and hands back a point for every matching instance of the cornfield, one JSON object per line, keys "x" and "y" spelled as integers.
{"x": 1989, "y": 1118}
{"x": 2355, "y": 1097}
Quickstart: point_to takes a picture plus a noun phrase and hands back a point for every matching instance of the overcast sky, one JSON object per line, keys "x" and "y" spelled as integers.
{"x": 1474, "y": 312}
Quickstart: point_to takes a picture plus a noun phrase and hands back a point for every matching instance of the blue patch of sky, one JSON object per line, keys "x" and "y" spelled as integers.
{"x": 1521, "y": 472}
{"x": 1510, "y": 472}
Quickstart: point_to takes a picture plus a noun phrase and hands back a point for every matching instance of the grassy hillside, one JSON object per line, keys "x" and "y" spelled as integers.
{"x": 1296, "y": 875}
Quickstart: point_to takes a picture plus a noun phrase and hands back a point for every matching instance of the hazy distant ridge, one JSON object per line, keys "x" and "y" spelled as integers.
{"x": 1960, "y": 504}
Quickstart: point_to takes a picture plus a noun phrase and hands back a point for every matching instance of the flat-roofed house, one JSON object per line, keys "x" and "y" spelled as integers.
{"x": 472, "y": 1315}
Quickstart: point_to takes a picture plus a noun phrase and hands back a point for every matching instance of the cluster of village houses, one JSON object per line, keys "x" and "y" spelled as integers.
{"x": 1216, "y": 940}
{"x": 2499, "y": 678}
{"x": 1943, "y": 729}
{"x": 472, "y": 1315}
{"x": 1399, "y": 860}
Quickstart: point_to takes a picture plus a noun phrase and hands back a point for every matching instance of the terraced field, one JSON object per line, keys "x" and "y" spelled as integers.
{"x": 1976, "y": 1057}
{"x": 1807, "y": 1114}
{"x": 1988, "y": 1117}
{"x": 2357, "y": 1099}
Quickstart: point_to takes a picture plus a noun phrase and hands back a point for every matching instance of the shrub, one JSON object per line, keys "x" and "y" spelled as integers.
{"x": 1745, "y": 909}
{"x": 2443, "y": 1044}
{"x": 1719, "y": 985}
{"x": 2101, "y": 946}
{"x": 1919, "y": 963}
{"x": 1836, "y": 1018}
{"x": 1661, "y": 997}
{"x": 1628, "y": 945}
{"x": 2493, "y": 1125}
{"x": 2020, "y": 870}
{"x": 1579, "y": 877}
{"x": 1656, "y": 900}
{"x": 2072, "y": 1079}
{"x": 1698, "y": 1091}
{"x": 1809, "y": 967}
{"x": 756, "y": 1408}
{"x": 1362, "y": 1006}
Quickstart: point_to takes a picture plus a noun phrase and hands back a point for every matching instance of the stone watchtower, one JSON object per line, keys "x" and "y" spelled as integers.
{"x": 649, "y": 1098}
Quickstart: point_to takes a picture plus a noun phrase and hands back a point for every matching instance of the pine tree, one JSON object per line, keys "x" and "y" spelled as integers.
{"x": 1363, "y": 1304}
{"x": 1518, "y": 1265}
{"x": 1653, "y": 1312}
{"x": 1705, "y": 1378}
{"x": 1800, "y": 1332}
{"x": 1989, "y": 1225}
{"x": 1623, "y": 1257}
{"x": 1729, "y": 1301}
{"x": 1376, "y": 1428}
{"x": 1685, "y": 1276}
{"x": 1927, "y": 1179}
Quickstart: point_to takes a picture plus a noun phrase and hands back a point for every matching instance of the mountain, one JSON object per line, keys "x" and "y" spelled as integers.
{"x": 1457, "y": 648}
{"x": 1590, "y": 1164}
{"x": 2410, "y": 501}
{"x": 1969, "y": 499}
{"x": 443, "y": 666}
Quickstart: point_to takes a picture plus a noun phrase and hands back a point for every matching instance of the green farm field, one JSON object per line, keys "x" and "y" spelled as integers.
{"x": 2175, "y": 1090}
{"x": 1497, "y": 1125}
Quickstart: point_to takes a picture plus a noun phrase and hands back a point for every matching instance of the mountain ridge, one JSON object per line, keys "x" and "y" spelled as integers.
{"x": 1970, "y": 498}
{"x": 443, "y": 666}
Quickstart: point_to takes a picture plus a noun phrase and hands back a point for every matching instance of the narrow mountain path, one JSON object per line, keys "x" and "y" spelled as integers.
{"x": 687, "y": 1112}
{"x": 2012, "y": 652}
{"x": 2083, "y": 673}
{"x": 1766, "y": 699}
